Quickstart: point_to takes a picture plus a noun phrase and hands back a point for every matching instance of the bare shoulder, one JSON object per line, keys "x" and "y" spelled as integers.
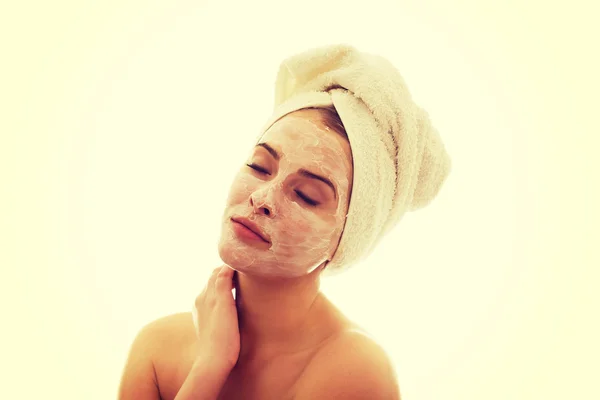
{"x": 141, "y": 377}
{"x": 168, "y": 335}
{"x": 350, "y": 366}
{"x": 173, "y": 346}
{"x": 173, "y": 337}
{"x": 172, "y": 327}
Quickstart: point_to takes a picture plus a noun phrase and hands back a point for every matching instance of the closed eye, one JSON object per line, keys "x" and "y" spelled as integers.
{"x": 306, "y": 199}
{"x": 258, "y": 169}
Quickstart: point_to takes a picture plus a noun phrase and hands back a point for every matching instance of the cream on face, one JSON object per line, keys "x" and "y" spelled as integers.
{"x": 302, "y": 234}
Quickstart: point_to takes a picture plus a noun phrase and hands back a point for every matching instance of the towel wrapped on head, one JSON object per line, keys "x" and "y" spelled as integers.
{"x": 400, "y": 162}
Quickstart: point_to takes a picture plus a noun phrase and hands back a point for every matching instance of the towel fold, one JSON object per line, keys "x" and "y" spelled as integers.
{"x": 400, "y": 162}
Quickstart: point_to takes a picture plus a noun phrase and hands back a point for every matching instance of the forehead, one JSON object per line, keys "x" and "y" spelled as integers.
{"x": 303, "y": 133}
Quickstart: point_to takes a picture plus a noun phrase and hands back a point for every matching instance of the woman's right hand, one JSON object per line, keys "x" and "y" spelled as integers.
{"x": 216, "y": 320}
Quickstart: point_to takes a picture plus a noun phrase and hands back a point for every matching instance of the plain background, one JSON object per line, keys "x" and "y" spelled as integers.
{"x": 123, "y": 122}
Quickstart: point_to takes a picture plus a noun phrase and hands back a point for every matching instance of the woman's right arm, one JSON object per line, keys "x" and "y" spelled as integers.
{"x": 216, "y": 322}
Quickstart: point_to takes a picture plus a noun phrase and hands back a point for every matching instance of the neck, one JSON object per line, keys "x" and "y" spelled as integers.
{"x": 277, "y": 314}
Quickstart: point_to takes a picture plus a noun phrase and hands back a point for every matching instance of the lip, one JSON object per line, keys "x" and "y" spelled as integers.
{"x": 252, "y": 226}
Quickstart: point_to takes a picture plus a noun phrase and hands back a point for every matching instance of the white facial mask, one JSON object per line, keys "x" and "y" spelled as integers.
{"x": 302, "y": 237}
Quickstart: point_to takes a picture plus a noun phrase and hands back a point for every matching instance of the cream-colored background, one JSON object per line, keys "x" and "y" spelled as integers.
{"x": 122, "y": 123}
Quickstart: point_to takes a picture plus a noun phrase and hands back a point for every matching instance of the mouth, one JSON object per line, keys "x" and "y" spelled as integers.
{"x": 248, "y": 230}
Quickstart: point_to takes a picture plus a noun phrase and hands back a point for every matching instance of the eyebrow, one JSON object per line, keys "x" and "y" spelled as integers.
{"x": 309, "y": 174}
{"x": 270, "y": 150}
{"x": 304, "y": 172}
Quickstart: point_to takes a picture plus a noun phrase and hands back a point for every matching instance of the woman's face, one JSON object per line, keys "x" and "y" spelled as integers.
{"x": 294, "y": 188}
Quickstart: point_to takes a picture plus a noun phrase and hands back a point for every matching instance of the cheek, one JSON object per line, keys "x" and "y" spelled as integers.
{"x": 240, "y": 190}
{"x": 302, "y": 231}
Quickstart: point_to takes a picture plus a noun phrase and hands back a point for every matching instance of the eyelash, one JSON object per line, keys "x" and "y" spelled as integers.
{"x": 258, "y": 169}
{"x": 307, "y": 200}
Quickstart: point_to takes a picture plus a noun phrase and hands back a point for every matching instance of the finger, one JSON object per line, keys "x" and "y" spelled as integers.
{"x": 210, "y": 285}
{"x": 225, "y": 275}
{"x": 213, "y": 277}
{"x": 224, "y": 282}
{"x": 215, "y": 272}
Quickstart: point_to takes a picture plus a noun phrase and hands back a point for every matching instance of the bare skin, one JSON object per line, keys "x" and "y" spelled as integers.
{"x": 171, "y": 348}
{"x": 329, "y": 357}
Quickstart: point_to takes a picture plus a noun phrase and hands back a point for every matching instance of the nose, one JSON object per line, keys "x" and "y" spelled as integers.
{"x": 260, "y": 206}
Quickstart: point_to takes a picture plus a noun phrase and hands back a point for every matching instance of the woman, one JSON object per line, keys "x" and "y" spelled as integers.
{"x": 334, "y": 169}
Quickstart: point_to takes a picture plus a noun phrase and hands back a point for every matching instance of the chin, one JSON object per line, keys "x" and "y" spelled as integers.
{"x": 237, "y": 255}
{"x": 246, "y": 264}
{"x": 227, "y": 252}
{"x": 232, "y": 254}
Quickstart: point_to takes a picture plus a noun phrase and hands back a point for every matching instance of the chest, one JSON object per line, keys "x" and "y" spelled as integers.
{"x": 273, "y": 379}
